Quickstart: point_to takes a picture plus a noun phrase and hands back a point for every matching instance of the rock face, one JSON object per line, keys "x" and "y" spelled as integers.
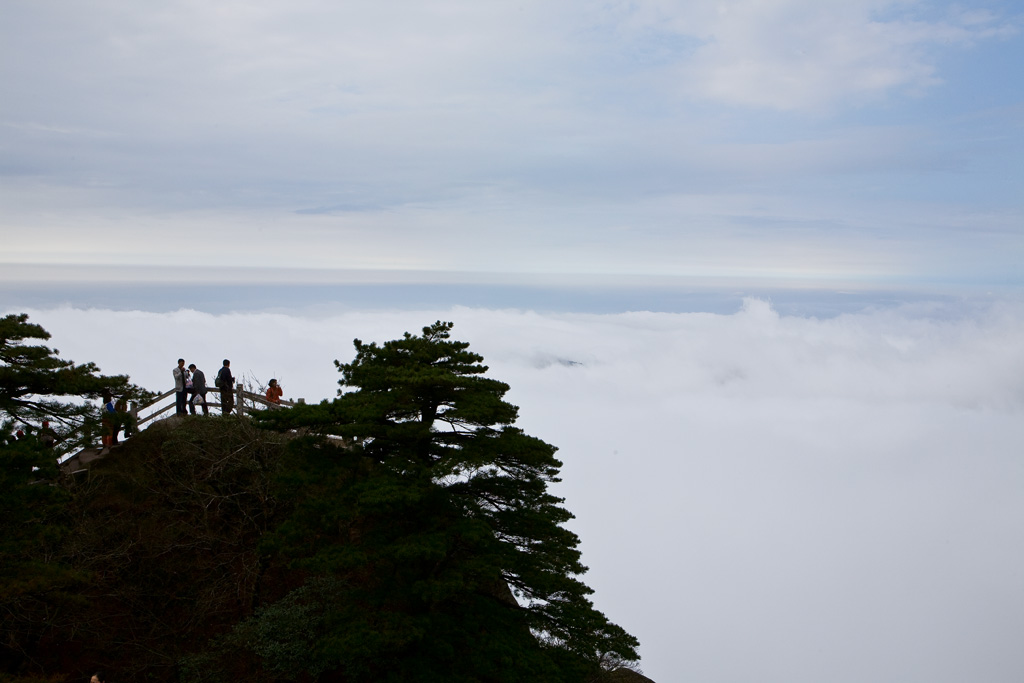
{"x": 626, "y": 676}
{"x": 81, "y": 460}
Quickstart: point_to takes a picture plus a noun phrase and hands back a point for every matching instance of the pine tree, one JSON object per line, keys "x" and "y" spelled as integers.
{"x": 37, "y": 385}
{"x": 424, "y": 520}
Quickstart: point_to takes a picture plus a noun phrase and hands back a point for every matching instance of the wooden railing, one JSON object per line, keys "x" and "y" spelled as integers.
{"x": 245, "y": 402}
{"x": 240, "y": 394}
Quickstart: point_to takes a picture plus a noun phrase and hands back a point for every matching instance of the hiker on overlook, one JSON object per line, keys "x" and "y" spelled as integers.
{"x": 198, "y": 390}
{"x": 180, "y": 387}
{"x": 124, "y": 419}
{"x": 274, "y": 392}
{"x": 226, "y": 384}
{"x": 109, "y": 435}
{"x": 47, "y": 437}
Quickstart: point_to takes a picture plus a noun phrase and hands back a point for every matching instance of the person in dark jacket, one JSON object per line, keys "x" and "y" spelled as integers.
{"x": 46, "y": 435}
{"x": 107, "y": 421}
{"x": 198, "y": 390}
{"x": 226, "y": 384}
{"x": 180, "y": 387}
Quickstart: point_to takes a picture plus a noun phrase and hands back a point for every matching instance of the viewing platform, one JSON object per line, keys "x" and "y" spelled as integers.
{"x": 246, "y": 402}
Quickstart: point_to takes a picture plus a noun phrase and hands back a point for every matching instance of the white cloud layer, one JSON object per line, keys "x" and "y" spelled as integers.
{"x": 760, "y": 497}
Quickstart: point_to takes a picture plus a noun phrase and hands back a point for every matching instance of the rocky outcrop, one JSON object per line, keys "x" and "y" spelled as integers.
{"x": 625, "y": 676}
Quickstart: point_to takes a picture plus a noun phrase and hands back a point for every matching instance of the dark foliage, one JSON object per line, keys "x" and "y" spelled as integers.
{"x": 163, "y": 539}
{"x": 37, "y": 385}
{"x": 402, "y": 532}
{"x": 430, "y": 514}
{"x": 37, "y": 586}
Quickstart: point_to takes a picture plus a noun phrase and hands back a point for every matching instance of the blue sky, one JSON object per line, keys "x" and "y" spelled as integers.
{"x": 861, "y": 144}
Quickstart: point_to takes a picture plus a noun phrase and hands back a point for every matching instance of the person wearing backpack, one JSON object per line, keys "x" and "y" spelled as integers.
{"x": 226, "y": 384}
{"x": 198, "y": 390}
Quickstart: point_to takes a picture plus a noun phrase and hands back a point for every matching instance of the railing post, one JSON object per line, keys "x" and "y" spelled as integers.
{"x": 239, "y": 398}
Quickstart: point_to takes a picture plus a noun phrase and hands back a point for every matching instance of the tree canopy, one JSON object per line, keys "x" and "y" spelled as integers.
{"x": 37, "y": 385}
{"x": 426, "y": 518}
{"x": 146, "y": 559}
{"x": 403, "y": 531}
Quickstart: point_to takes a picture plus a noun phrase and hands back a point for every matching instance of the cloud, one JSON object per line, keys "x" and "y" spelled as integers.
{"x": 760, "y": 497}
{"x": 358, "y": 103}
{"x": 613, "y": 138}
{"x": 802, "y": 54}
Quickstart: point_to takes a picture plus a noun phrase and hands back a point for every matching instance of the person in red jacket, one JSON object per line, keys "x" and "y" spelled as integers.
{"x": 274, "y": 392}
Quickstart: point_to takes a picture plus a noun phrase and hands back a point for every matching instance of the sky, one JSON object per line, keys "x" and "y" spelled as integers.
{"x": 754, "y": 266}
{"x": 862, "y": 144}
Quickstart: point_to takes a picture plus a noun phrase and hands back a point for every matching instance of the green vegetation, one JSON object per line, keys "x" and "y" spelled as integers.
{"x": 37, "y": 385}
{"x": 401, "y": 532}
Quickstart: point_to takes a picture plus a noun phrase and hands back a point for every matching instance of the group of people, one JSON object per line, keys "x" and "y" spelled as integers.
{"x": 114, "y": 418}
{"x": 45, "y": 435}
{"x": 190, "y": 391}
{"x": 190, "y": 388}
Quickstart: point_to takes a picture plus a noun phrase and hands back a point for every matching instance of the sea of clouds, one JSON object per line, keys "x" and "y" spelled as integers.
{"x": 760, "y": 497}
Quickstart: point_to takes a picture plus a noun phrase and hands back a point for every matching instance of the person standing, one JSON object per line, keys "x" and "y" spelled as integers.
{"x": 198, "y": 389}
{"x": 274, "y": 392}
{"x": 124, "y": 419}
{"x": 47, "y": 437}
{"x": 180, "y": 390}
{"x": 109, "y": 433}
{"x": 226, "y": 384}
